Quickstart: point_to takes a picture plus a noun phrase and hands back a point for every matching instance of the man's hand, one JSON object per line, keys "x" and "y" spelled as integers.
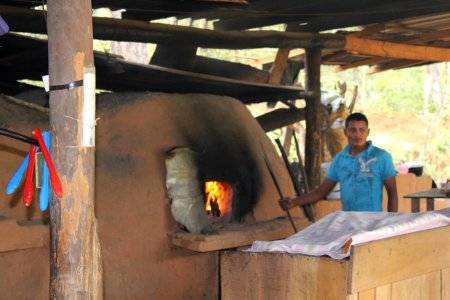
{"x": 286, "y": 203}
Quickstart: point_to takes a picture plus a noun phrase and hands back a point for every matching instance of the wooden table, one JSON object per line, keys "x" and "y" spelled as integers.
{"x": 430, "y": 195}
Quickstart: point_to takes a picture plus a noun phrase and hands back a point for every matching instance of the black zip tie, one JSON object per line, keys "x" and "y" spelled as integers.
{"x": 18, "y": 136}
{"x": 68, "y": 86}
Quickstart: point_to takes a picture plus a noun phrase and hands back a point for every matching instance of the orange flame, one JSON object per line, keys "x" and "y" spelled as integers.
{"x": 215, "y": 194}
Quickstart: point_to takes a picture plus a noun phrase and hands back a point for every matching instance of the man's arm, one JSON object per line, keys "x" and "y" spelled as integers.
{"x": 391, "y": 189}
{"x": 311, "y": 197}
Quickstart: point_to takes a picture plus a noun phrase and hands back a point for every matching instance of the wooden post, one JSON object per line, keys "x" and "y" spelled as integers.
{"x": 76, "y": 269}
{"x": 313, "y": 116}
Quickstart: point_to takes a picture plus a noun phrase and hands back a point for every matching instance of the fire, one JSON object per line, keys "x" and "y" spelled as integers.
{"x": 215, "y": 195}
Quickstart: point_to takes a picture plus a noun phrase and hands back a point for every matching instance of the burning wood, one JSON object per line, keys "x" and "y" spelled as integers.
{"x": 219, "y": 198}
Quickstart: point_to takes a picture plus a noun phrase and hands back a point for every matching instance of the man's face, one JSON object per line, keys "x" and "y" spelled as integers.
{"x": 356, "y": 133}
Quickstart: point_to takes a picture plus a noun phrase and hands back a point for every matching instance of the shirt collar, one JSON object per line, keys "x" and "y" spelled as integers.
{"x": 369, "y": 148}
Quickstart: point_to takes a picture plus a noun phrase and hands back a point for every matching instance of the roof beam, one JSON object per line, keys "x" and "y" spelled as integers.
{"x": 271, "y": 58}
{"x": 334, "y": 56}
{"x": 144, "y": 32}
{"x": 398, "y": 64}
{"x": 396, "y": 50}
{"x": 363, "y": 62}
{"x": 368, "y": 15}
{"x": 425, "y": 37}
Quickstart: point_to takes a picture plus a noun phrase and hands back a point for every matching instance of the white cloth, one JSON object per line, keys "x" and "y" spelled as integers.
{"x": 328, "y": 235}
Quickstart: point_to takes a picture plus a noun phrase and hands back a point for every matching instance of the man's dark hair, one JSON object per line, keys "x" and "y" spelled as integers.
{"x": 356, "y": 117}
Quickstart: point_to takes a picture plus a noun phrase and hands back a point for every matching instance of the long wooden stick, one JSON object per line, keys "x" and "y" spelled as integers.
{"x": 306, "y": 208}
{"x": 275, "y": 181}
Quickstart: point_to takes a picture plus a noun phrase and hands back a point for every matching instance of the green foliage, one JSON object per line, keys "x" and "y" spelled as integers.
{"x": 398, "y": 90}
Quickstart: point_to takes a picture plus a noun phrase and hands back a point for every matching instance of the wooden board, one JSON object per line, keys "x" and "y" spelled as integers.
{"x": 445, "y": 283}
{"x": 138, "y": 77}
{"x": 426, "y": 286}
{"x": 281, "y": 276}
{"x": 380, "y": 262}
{"x": 237, "y": 235}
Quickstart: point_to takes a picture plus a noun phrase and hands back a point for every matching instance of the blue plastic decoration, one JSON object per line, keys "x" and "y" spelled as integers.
{"x": 45, "y": 187}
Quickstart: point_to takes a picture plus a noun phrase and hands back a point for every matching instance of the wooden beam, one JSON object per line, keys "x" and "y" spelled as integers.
{"x": 430, "y": 36}
{"x": 367, "y": 271}
{"x": 425, "y": 37}
{"x": 140, "y": 31}
{"x": 363, "y": 62}
{"x": 334, "y": 56}
{"x": 227, "y": 69}
{"x": 397, "y": 64}
{"x": 313, "y": 115}
{"x": 280, "y": 118}
{"x": 369, "y": 15}
{"x": 237, "y": 235}
{"x": 369, "y": 30}
{"x": 75, "y": 256}
{"x": 271, "y": 58}
{"x": 179, "y": 57}
{"x": 277, "y": 69}
{"x": 396, "y": 50}
{"x": 278, "y": 66}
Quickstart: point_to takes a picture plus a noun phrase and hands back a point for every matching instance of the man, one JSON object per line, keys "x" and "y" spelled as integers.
{"x": 361, "y": 168}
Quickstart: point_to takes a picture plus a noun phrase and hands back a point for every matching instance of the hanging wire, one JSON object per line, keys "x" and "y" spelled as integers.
{"x": 18, "y": 136}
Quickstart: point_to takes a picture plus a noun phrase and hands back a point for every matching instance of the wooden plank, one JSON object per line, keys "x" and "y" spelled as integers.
{"x": 424, "y": 37}
{"x": 237, "y": 235}
{"x": 145, "y": 32}
{"x": 445, "y": 277}
{"x": 372, "y": 15}
{"x": 383, "y": 292}
{"x": 369, "y": 61}
{"x": 280, "y": 117}
{"x": 335, "y": 56}
{"x": 331, "y": 278}
{"x": 281, "y": 276}
{"x": 278, "y": 66}
{"x": 367, "y": 295}
{"x": 426, "y": 286}
{"x": 396, "y": 64}
{"x": 352, "y": 297}
{"x": 271, "y": 58}
{"x": 140, "y": 77}
{"x": 396, "y": 50}
{"x": 369, "y": 30}
{"x": 402, "y": 257}
{"x": 405, "y": 185}
{"x": 228, "y": 69}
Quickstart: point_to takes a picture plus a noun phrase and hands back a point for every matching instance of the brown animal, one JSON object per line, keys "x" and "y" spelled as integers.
{"x": 336, "y": 113}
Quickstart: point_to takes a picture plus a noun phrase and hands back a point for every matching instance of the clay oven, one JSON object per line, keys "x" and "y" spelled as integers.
{"x": 146, "y": 252}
